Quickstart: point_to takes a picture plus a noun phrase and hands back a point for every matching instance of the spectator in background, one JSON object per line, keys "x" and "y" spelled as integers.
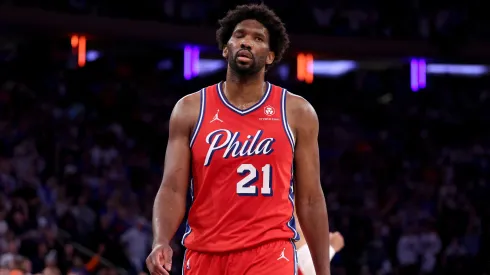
{"x": 430, "y": 247}
{"x": 375, "y": 257}
{"x": 80, "y": 153}
{"x": 408, "y": 249}
{"x": 454, "y": 258}
{"x": 136, "y": 242}
{"x": 51, "y": 261}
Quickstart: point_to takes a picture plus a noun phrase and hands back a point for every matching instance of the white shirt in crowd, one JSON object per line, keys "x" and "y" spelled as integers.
{"x": 408, "y": 249}
{"x": 430, "y": 246}
{"x": 424, "y": 246}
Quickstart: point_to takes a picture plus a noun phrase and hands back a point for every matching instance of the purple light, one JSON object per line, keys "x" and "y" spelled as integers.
{"x": 414, "y": 76}
{"x": 195, "y": 62}
{"x": 422, "y": 73}
{"x": 187, "y": 62}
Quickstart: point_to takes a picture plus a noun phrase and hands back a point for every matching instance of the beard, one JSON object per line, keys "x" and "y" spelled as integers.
{"x": 244, "y": 69}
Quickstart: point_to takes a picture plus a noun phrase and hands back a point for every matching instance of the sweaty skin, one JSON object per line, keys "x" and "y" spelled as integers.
{"x": 170, "y": 201}
{"x": 244, "y": 87}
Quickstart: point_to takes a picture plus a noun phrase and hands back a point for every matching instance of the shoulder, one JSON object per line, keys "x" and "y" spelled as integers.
{"x": 186, "y": 110}
{"x": 300, "y": 112}
{"x": 189, "y": 102}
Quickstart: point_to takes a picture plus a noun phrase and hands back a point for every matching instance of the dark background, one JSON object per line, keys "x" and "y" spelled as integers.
{"x": 405, "y": 173}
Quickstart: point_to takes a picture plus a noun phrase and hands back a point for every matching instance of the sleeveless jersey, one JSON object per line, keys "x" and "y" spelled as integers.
{"x": 241, "y": 184}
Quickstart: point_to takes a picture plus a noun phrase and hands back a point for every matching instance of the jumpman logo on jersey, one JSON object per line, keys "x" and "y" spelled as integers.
{"x": 216, "y": 118}
{"x": 188, "y": 264}
{"x": 282, "y": 255}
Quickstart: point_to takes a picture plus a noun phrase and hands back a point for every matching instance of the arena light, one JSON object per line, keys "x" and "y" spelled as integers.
{"x": 283, "y": 71}
{"x": 422, "y": 68}
{"x": 79, "y": 46}
{"x": 418, "y": 74}
{"x": 301, "y": 67}
{"x": 74, "y": 41}
{"x": 332, "y": 67}
{"x": 191, "y": 61}
{"x": 187, "y": 62}
{"x": 209, "y": 66}
{"x": 309, "y": 69}
{"x": 165, "y": 64}
{"x": 457, "y": 69}
{"x": 195, "y": 61}
{"x": 93, "y": 55}
{"x": 414, "y": 75}
{"x": 304, "y": 67}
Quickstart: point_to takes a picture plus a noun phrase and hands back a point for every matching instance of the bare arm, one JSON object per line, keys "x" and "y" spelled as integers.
{"x": 170, "y": 201}
{"x": 310, "y": 202}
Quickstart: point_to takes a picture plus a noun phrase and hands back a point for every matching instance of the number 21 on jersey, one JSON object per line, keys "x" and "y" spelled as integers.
{"x": 246, "y": 187}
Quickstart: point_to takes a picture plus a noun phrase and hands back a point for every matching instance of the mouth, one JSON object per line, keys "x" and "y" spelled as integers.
{"x": 244, "y": 56}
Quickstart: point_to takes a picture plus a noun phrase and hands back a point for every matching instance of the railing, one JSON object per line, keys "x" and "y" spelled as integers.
{"x": 89, "y": 253}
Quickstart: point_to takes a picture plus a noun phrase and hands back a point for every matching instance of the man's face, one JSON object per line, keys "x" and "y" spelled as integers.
{"x": 248, "y": 50}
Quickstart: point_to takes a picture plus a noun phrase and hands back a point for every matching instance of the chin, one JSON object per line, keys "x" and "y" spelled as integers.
{"x": 243, "y": 69}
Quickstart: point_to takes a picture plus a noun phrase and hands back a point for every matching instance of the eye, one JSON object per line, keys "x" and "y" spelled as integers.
{"x": 259, "y": 39}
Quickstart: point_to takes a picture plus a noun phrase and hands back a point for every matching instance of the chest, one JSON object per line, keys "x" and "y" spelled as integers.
{"x": 240, "y": 141}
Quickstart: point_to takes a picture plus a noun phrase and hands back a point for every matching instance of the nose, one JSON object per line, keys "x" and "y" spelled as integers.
{"x": 246, "y": 44}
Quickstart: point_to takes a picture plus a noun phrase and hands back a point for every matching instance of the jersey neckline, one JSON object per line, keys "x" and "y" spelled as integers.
{"x": 249, "y": 109}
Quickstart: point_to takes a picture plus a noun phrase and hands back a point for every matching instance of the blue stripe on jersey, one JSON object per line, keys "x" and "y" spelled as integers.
{"x": 184, "y": 264}
{"x": 292, "y": 222}
{"x": 188, "y": 229}
{"x": 201, "y": 116}
{"x": 285, "y": 123}
{"x": 295, "y": 255}
{"x": 248, "y": 110}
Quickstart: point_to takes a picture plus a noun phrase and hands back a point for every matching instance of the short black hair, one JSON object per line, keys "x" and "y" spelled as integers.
{"x": 278, "y": 36}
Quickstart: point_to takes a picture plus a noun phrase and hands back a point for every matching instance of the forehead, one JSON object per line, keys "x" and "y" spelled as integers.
{"x": 251, "y": 25}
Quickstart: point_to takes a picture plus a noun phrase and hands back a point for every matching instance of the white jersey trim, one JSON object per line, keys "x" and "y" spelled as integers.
{"x": 200, "y": 118}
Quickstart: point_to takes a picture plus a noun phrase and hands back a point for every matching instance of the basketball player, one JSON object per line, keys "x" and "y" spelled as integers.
{"x": 239, "y": 140}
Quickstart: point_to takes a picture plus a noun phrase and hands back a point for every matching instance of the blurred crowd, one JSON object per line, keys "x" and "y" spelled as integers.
{"x": 414, "y": 19}
{"x": 405, "y": 174}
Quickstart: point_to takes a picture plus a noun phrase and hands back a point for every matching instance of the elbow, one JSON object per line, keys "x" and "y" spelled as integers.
{"x": 311, "y": 201}
{"x": 169, "y": 196}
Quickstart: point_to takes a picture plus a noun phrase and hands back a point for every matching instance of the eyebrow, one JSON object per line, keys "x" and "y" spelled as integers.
{"x": 255, "y": 31}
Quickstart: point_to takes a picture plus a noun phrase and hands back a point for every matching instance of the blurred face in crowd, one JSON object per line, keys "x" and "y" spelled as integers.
{"x": 78, "y": 262}
{"x": 51, "y": 271}
{"x": 13, "y": 246}
{"x": 27, "y": 265}
{"x": 69, "y": 249}
{"x": 42, "y": 249}
{"x": 18, "y": 218}
{"x": 248, "y": 49}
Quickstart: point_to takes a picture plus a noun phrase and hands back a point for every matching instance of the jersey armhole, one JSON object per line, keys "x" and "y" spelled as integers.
{"x": 200, "y": 118}
{"x": 285, "y": 123}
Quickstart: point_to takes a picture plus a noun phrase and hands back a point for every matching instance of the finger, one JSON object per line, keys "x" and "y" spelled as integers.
{"x": 156, "y": 267}
{"x": 162, "y": 272}
{"x": 158, "y": 270}
{"x": 167, "y": 254}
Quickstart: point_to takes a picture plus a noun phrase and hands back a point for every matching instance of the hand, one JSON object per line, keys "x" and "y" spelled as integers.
{"x": 159, "y": 262}
{"x": 337, "y": 241}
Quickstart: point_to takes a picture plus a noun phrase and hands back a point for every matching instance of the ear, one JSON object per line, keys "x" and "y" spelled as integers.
{"x": 225, "y": 52}
{"x": 270, "y": 58}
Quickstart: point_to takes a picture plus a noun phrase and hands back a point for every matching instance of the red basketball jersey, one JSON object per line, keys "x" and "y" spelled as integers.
{"x": 241, "y": 183}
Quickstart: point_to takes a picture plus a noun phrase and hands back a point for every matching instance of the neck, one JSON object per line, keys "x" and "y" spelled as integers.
{"x": 244, "y": 89}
